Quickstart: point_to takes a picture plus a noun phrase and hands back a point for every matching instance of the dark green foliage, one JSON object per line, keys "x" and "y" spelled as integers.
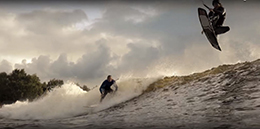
{"x": 54, "y": 83}
{"x": 4, "y": 89}
{"x": 21, "y": 86}
{"x": 84, "y": 87}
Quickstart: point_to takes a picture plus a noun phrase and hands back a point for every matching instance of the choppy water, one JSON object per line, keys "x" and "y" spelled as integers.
{"x": 228, "y": 100}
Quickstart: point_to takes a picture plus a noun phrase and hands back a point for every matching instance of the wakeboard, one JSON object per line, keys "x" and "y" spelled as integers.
{"x": 208, "y": 28}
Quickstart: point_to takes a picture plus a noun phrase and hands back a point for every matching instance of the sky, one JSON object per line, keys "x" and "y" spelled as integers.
{"x": 84, "y": 41}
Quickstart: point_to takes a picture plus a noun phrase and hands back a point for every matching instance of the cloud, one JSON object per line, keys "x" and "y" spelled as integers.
{"x": 88, "y": 67}
{"x": 5, "y": 66}
{"x": 49, "y": 22}
{"x": 147, "y": 38}
{"x": 39, "y": 66}
{"x": 41, "y": 31}
{"x": 139, "y": 58}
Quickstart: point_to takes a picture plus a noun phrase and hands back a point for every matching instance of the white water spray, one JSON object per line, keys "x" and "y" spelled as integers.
{"x": 70, "y": 100}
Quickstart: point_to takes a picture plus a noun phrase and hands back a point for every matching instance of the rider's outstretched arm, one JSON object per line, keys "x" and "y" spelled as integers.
{"x": 116, "y": 87}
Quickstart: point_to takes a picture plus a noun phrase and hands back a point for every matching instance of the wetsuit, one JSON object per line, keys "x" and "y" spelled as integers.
{"x": 106, "y": 87}
{"x": 219, "y": 16}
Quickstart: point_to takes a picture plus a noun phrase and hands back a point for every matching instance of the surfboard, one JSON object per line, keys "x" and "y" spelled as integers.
{"x": 208, "y": 28}
{"x": 91, "y": 106}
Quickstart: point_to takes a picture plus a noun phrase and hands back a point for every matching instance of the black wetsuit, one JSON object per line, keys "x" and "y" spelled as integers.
{"x": 106, "y": 87}
{"x": 220, "y": 13}
{"x": 218, "y": 17}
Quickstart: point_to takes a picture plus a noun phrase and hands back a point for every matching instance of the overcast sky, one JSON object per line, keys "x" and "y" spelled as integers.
{"x": 86, "y": 41}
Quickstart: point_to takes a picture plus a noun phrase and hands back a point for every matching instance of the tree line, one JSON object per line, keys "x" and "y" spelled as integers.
{"x": 18, "y": 85}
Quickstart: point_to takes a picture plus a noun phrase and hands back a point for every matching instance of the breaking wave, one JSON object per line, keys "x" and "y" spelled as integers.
{"x": 70, "y": 100}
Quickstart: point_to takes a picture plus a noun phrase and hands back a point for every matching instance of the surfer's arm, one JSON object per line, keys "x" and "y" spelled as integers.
{"x": 103, "y": 84}
{"x": 115, "y": 85}
{"x": 220, "y": 10}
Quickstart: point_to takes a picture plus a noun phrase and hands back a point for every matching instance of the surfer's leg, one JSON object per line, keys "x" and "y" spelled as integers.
{"x": 220, "y": 21}
{"x": 103, "y": 94}
{"x": 110, "y": 90}
{"x": 221, "y": 30}
{"x": 102, "y": 97}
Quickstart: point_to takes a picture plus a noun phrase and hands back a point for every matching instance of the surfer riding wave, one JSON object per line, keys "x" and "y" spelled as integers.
{"x": 106, "y": 87}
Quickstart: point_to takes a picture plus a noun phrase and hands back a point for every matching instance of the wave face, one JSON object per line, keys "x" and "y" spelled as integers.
{"x": 226, "y": 97}
{"x": 70, "y": 100}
